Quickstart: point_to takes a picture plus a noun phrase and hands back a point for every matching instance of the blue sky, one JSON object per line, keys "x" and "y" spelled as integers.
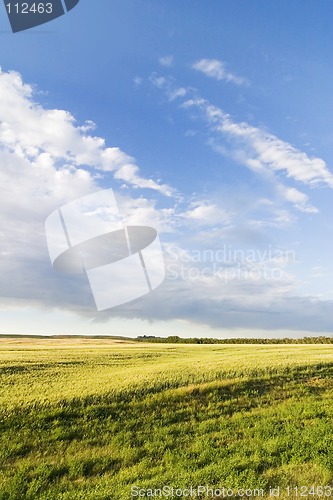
{"x": 212, "y": 122}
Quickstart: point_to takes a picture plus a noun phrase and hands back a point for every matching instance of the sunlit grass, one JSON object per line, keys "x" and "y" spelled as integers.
{"x": 45, "y": 372}
{"x": 88, "y": 419}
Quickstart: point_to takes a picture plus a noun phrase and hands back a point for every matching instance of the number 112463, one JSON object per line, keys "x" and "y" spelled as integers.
{"x": 25, "y": 8}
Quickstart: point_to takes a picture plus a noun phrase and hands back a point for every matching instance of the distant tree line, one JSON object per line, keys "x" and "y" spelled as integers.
{"x": 174, "y": 339}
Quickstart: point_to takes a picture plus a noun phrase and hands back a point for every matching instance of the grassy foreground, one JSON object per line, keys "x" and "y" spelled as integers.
{"x": 90, "y": 419}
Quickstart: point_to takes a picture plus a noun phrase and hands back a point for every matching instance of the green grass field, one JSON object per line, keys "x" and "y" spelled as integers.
{"x": 90, "y": 419}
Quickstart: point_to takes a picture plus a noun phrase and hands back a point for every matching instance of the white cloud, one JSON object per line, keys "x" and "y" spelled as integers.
{"x": 55, "y": 132}
{"x": 208, "y": 214}
{"x": 158, "y": 81}
{"x": 216, "y": 69}
{"x": 300, "y": 200}
{"x": 144, "y": 212}
{"x": 171, "y": 90}
{"x": 320, "y": 272}
{"x": 178, "y": 92}
{"x": 279, "y": 218}
{"x": 126, "y": 170}
{"x": 264, "y": 153}
{"x": 46, "y": 161}
{"x": 166, "y": 61}
{"x": 244, "y": 294}
{"x": 138, "y": 80}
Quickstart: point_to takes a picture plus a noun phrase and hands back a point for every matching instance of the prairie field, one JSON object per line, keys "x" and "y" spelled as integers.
{"x": 100, "y": 419}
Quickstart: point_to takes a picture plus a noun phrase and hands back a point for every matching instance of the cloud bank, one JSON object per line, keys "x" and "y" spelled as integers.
{"x": 47, "y": 160}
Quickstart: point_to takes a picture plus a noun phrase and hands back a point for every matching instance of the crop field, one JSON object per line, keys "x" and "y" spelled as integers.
{"x": 99, "y": 419}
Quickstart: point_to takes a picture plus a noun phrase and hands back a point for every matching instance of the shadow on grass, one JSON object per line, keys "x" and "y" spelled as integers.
{"x": 207, "y": 426}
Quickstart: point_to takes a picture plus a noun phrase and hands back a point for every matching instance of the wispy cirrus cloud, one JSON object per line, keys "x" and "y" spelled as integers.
{"x": 216, "y": 69}
{"x": 254, "y": 147}
{"x": 264, "y": 153}
{"x": 260, "y": 151}
{"x": 167, "y": 84}
{"x": 266, "y": 149}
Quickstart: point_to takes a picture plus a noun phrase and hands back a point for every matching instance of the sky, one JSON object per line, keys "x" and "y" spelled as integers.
{"x": 212, "y": 123}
